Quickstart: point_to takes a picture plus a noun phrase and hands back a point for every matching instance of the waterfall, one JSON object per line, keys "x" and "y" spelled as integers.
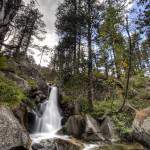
{"x": 50, "y": 121}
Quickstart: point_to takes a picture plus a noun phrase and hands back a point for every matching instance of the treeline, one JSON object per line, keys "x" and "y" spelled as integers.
{"x": 20, "y": 25}
{"x": 102, "y": 36}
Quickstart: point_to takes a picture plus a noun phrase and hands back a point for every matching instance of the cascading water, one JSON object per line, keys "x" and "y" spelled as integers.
{"x": 50, "y": 121}
{"x": 51, "y": 118}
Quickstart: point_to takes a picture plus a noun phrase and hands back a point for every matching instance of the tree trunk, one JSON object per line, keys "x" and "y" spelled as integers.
{"x": 30, "y": 34}
{"x": 115, "y": 62}
{"x": 125, "y": 101}
{"x": 8, "y": 10}
{"x": 23, "y": 32}
{"x": 41, "y": 56}
{"x": 106, "y": 65}
{"x": 75, "y": 37}
{"x": 90, "y": 84}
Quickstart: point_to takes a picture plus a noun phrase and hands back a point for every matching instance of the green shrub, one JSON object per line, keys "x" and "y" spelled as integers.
{"x": 144, "y": 94}
{"x": 32, "y": 83}
{"x": 3, "y": 61}
{"x": 140, "y": 103}
{"x": 106, "y": 106}
{"x": 84, "y": 104}
{"x": 123, "y": 123}
{"x": 67, "y": 99}
{"x": 10, "y": 94}
{"x": 138, "y": 81}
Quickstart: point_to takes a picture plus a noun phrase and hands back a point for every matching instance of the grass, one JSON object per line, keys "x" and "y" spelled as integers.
{"x": 10, "y": 94}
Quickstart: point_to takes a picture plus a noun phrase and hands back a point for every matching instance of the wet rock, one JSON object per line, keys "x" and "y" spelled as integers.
{"x": 58, "y": 144}
{"x": 141, "y": 127}
{"x": 12, "y": 134}
{"x": 31, "y": 121}
{"x": 108, "y": 130}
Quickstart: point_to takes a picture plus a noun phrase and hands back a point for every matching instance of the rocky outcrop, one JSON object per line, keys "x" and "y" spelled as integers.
{"x": 23, "y": 84}
{"x": 58, "y": 144}
{"x": 141, "y": 127}
{"x": 12, "y": 134}
{"x": 25, "y": 70}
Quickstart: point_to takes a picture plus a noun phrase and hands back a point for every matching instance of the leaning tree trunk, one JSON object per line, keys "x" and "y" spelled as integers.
{"x": 8, "y": 10}
{"x": 125, "y": 101}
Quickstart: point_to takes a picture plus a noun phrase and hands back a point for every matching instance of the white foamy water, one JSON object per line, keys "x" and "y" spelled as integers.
{"x": 50, "y": 122}
{"x": 51, "y": 118}
{"x": 90, "y": 146}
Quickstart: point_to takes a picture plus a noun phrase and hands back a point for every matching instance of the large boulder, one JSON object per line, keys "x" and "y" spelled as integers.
{"x": 58, "y": 144}
{"x": 108, "y": 130}
{"x": 141, "y": 127}
{"x": 74, "y": 126}
{"x": 93, "y": 130}
{"x": 12, "y": 134}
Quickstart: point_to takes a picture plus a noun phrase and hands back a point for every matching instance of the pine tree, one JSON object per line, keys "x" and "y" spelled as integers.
{"x": 28, "y": 25}
{"x": 8, "y": 10}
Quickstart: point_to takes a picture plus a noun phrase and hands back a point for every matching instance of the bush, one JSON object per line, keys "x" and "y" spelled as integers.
{"x": 138, "y": 81}
{"x": 32, "y": 83}
{"x": 10, "y": 94}
{"x": 105, "y": 106}
{"x": 123, "y": 123}
{"x": 3, "y": 61}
